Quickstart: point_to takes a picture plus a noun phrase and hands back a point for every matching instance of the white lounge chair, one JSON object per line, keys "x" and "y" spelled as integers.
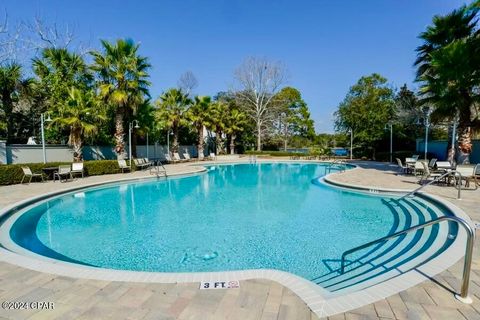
{"x": 186, "y": 156}
{"x": 140, "y": 163}
{"x": 176, "y": 156}
{"x": 27, "y": 173}
{"x": 212, "y": 156}
{"x": 148, "y": 162}
{"x": 77, "y": 168}
{"x": 63, "y": 171}
{"x": 122, "y": 164}
{"x": 169, "y": 158}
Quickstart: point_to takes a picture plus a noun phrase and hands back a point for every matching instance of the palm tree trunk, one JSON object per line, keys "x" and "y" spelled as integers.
{"x": 464, "y": 144}
{"x": 218, "y": 141}
{"x": 200, "y": 142}
{"x": 119, "y": 134}
{"x": 75, "y": 140}
{"x": 232, "y": 143}
{"x": 175, "y": 138}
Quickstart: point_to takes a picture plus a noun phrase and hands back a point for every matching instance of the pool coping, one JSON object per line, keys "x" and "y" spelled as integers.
{"x": 320, "y": 301}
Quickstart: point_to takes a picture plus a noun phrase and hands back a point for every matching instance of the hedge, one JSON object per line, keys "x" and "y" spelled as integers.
{"x": 13, "y": 174}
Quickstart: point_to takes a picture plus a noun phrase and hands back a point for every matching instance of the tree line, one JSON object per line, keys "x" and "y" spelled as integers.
{"x": 98, "y": 102}
{"x": 448, "y": 76}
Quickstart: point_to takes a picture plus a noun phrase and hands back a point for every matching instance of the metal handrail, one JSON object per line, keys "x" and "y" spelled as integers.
{"x": 468, "y": 250}
{"x": 455, "y": 172}
{"x": 337, "y": 162}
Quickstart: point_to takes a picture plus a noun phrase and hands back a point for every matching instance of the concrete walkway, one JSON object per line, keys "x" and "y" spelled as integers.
{"x": 256, "y": 299}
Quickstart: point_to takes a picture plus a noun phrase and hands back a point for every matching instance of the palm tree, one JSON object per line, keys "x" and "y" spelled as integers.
{"x": 82, "y": 115}
{"x": 171, "y": 113}
{"x": 11, "y": 86}
{"x": 57, "y": 71}
{"x": 235, "y": 123}
{"x": 123, "y": 81}
{"x": 217, "y": 122}
{"x": 199, "y": 115}
{"x": 448, "y": 69}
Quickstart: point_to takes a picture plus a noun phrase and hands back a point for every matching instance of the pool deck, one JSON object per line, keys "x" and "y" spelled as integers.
{"x": 256, "y": 299}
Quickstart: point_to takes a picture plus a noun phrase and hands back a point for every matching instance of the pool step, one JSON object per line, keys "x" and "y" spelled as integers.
{"x": 396, "y": 256}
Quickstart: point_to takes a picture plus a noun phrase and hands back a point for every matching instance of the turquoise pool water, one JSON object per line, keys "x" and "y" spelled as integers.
{"x": 235, "y": 217}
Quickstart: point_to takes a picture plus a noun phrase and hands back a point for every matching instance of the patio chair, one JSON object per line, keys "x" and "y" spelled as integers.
{"x": 418, "y": 168}
{"x": 140, "y": 163}
{"x": 401, "y": 167}
{"x": 187, "y": 156}
{"x": 427, "y": 173}
{"x": 63, "y": 171}
{"x": 468, "y": 173}
{"x": 169, "y": 159}
{"x": 176, "y": 156}
{"x": 415, "y": 156}
{"x": 122, "y": 164}
{"x": 27, "y": 173}
{"x": 212, "y": 156}
{"x": 432, "y": 163}
{"x": 77, "y": 168}
{"x": 148, "y": 162}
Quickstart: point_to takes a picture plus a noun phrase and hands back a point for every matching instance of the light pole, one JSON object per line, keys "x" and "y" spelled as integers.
{"x": 390, "y": 124}
{"x": 130, "y": 129}
{"x": 427, "y": 111}
{"x": 351, "y": 143}
{"x": 42, "y": 126}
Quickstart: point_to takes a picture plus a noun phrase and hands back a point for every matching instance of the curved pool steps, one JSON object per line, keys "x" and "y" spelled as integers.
{"x": 396, "y": 256}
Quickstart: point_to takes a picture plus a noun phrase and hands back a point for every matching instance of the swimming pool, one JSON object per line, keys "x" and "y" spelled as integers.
{"x": 234, "y": 217}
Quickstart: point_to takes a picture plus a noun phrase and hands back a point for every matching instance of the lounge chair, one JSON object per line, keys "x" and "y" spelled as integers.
{"x": 122, "y": 164}
{"x": 148, "y": 162}
{"x": 63, "y": 171}
{"x": 140, "y": 163}
{"x": 27, "y": 173}
{"x": 176, "y": 156}
{"x": 427, "y": 173}
{"x": 432, "y": 163}
{"x": 468, "y": 173}
{"x": 77, "y": 168}
{"x": 401, "y": 167}
{"x": 212, "y": 156}
{"x": 187, "y": 156}
{"x": 415, "y": 156}
{"x": 169, "y": 159}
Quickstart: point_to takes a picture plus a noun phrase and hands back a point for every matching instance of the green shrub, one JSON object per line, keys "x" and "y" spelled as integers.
{"x": 99, "y": 167}
{"x": 13, "y": 174}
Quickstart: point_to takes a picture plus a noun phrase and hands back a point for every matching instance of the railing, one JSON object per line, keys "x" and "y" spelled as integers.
{"x": 458, "y": 185}
{"x": 252, "y": 159}
{"x": 341, "y": 164}
{"x": 156, "y": 167}
{"x": 468, "y": 250}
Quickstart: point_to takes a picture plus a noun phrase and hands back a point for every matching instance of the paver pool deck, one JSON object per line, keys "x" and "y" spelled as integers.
{"x": 256, "y": 299}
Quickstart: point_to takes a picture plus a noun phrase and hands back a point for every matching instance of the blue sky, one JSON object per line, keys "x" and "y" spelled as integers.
{"x": 326, "y": 45}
